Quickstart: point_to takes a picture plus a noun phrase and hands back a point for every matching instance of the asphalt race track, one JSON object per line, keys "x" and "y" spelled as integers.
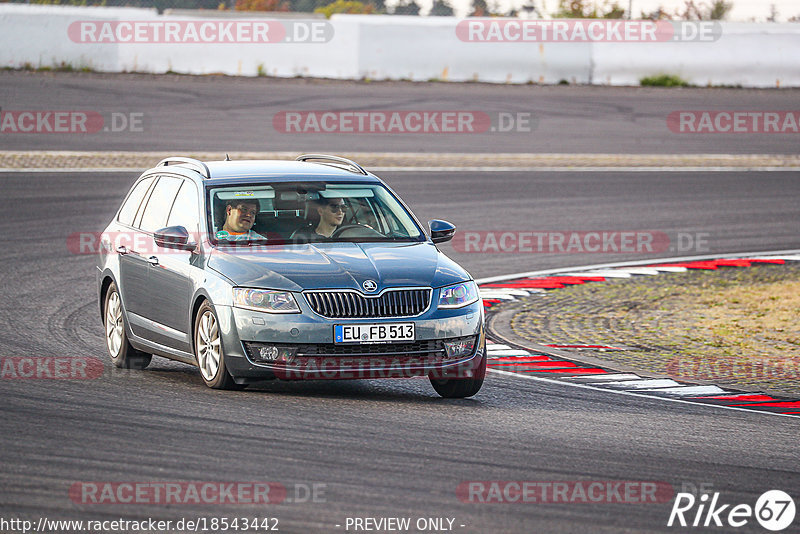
{"x": 376, "y": 448}
{"x": 236, "y": 114}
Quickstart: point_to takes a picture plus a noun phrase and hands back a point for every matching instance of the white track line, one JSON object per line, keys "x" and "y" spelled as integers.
{"x": 671, "y": 269}
{"x": 496, "y": 346}
{"x": 604, "y": 266}
{"x": 504, "y": 291}
{"x": 632, "y": 394}
{"x": 631, "y": 382}
{"x": 500, "y": 294}
{"x": 605, "y": 274}
{"x": 789, "y": 258}
{"x": 508, "y": 352}
{"x": 644, "y": 383}
{"x": 641, "y": 271}
{"x": 685, "y": 391}
{"x": 606, "y": 377}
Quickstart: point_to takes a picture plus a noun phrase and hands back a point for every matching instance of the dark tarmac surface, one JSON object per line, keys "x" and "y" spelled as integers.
{"x": 381, "y": 448}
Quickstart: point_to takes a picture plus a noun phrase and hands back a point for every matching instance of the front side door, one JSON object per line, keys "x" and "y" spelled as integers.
{"x": 171, "y": 280}
{"x": 144, "y": 313}
{"x": 129, "y": 244}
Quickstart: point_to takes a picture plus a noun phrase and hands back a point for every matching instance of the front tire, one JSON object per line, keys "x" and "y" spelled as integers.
{"x": 462, "y": 387}
{"x": 122, "y": 353}
{"x": 208, "y": 350}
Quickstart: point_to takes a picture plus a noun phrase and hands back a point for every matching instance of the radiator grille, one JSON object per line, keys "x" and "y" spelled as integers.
{"x": 352, "y": 305}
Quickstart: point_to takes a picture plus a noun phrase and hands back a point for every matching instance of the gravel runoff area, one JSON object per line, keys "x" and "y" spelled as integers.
{"x": 10, "y": 159}
{"x": 734, "y": 327}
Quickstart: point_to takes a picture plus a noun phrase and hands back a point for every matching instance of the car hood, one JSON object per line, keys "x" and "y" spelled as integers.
{"x": 337, "y": 266}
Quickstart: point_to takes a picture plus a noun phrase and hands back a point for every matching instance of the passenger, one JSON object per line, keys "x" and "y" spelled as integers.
{"x": 240, "y": 216}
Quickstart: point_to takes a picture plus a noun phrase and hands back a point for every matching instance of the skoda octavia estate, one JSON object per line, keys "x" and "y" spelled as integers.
{"x": 306, "y": 269}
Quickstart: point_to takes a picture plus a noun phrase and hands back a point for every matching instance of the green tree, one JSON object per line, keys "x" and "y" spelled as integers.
{"x": 261, "y": 5}
{"x": 575, "y": 9}
{"x": 352, "y": 7}
{"x": 587, "y": 9}
{"x": 614, "y": 12}
{"x": 658, "y": 14}
{"x": 478, "y": 8}
{"x": 304, "y": 6}
{"x": 720, "y": 9}
{"x": 406, "y": 8}
{"x": 441, "y": 9}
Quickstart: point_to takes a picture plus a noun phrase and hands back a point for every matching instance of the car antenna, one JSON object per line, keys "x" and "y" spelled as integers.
{"x": 227, "y": 157}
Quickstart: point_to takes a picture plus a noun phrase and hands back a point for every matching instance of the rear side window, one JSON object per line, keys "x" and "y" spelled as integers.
{"x": 128, "y": 210}
{"x": 184, "y": 211}
{"x": 160, "y": 203}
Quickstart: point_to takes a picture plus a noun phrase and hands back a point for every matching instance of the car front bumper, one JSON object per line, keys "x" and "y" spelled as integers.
{"x": 320, "y": 358}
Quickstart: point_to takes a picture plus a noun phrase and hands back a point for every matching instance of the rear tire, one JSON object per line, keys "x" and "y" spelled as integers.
{"x": 459, "y": 388}
{"x": 208, "y": 350}
{"x": 122, "y": 353}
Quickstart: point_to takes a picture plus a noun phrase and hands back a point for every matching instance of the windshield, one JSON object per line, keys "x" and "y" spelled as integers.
{"x": 285, "y": 213}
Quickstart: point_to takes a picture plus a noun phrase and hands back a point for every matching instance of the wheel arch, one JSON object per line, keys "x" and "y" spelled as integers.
{"x": 104, "y": 285}
{"x": 198, "y": 301}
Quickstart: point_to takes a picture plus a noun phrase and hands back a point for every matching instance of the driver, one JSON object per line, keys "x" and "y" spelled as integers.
{"x": 331, "y": 215}
{"x": 240, "y": 216}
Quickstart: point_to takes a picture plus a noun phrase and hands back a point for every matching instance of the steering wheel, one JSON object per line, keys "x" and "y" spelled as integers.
{"x": 365, "y": 231}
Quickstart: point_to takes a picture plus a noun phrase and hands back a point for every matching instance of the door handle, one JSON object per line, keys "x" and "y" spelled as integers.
{"x": 152, "y": 260}
{"x": 122, "y": 250}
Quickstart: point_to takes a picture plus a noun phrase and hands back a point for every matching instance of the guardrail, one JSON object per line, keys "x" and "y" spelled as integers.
{"x": 380, "y": 47}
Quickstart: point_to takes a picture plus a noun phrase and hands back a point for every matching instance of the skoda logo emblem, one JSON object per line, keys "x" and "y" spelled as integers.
{"x": 369, "y": 286}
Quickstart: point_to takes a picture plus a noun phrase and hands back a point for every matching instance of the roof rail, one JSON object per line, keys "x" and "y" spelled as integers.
{"x": 352, "y": 165}
{"x": 192, "y": 163}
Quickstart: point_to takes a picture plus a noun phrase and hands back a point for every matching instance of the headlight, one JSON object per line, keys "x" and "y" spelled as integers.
{"x": 264, "y": 300}
{"x": 458, "y": 295}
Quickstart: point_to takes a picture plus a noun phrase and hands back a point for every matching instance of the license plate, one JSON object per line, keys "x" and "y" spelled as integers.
{"x": 373, "y": 333}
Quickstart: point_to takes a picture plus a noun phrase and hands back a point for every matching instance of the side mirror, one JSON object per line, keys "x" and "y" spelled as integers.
{"x": 174, "y": 237}
{"x": 441, "y": 231}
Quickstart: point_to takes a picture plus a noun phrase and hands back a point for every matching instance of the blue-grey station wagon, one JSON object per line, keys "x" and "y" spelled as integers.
{"x": 306, "y": 269}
